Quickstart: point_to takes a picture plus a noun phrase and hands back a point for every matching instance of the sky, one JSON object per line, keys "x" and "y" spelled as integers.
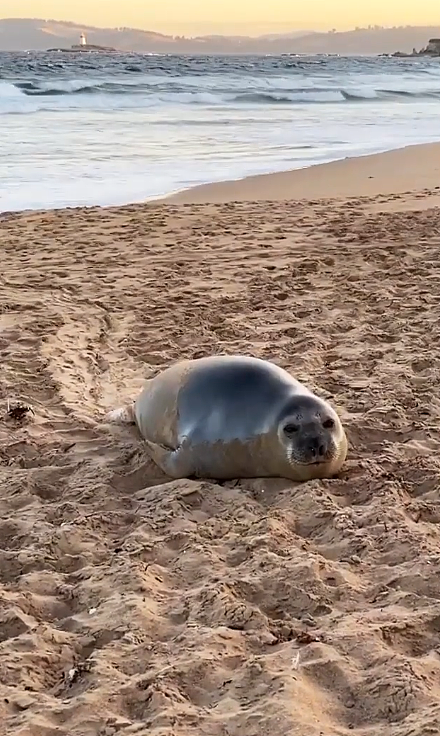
{"x": 228, "y": 16}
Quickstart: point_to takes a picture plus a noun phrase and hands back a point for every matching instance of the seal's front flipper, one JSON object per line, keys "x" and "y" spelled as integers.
{"x": 175, "y": 463}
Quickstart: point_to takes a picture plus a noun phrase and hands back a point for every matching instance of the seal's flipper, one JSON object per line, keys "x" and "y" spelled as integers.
{"x": 175, "y": 463}
{"x": 123, "y": 415}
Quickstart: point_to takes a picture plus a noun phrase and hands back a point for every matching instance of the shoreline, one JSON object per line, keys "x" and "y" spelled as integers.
{"x": 404, "y": 170}
{"x": 412, "y": 170}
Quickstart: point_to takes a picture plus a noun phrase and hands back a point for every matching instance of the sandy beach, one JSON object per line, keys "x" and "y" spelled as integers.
{"x": 414, "y": 170}
{"x": 132, "y": 604}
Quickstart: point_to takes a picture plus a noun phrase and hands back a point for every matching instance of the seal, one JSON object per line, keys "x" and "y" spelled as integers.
{"x": 225, "y": 417}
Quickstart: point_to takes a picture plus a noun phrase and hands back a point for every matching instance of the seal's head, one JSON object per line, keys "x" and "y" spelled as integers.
{"x": 312, "y": 434}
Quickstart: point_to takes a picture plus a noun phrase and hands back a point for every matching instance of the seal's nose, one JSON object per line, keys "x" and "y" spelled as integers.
{"x": 316, "y": 448}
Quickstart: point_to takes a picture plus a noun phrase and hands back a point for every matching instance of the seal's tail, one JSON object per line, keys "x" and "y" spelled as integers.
{"x": 123, "y": 415}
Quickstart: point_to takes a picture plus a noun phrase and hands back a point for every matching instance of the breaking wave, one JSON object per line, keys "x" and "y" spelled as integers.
{"x": 29, "y": 96}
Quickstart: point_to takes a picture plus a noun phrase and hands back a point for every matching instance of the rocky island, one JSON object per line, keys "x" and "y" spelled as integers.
{"x": 432, "y": 50}
{"x": 83, "y": 46}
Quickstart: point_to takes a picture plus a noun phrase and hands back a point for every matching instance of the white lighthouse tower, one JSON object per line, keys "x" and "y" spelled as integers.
{"x": 82, "y": 40}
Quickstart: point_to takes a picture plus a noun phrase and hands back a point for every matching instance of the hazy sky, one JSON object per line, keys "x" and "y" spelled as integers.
{"x": 223, "y": 16}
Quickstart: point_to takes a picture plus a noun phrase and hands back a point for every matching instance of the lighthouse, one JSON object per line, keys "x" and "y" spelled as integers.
{"x": 82, "y": 40}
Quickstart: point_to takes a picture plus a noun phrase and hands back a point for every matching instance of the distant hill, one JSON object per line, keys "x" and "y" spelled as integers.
{"x": 290, "y": 34}
{"x": 17, "y": 34}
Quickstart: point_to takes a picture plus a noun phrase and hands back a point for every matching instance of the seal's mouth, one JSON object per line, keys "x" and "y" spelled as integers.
{"x": 308, "y": 463}
{"x": 315, "y": 462}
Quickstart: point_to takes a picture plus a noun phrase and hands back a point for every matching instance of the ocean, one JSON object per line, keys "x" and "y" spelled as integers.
{"x": 88, "y": 129}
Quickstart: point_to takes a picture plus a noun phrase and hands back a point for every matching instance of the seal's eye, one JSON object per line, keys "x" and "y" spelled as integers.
{"x": 291, "y": 428}
{"x": 329, "y": 423}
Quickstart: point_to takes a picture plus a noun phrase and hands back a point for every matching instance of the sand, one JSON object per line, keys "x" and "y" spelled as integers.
{"x": 414, "y": 170}
{"x": 132, "y": 604}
